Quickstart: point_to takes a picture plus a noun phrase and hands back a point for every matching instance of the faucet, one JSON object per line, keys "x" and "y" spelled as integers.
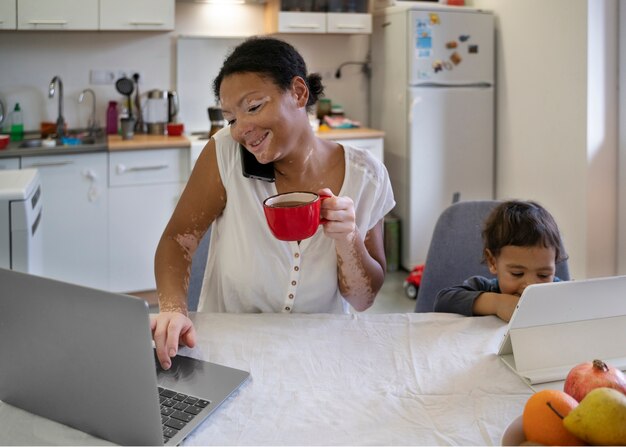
{"x": 91, "y": 124}
{"x": 60, "y": 119}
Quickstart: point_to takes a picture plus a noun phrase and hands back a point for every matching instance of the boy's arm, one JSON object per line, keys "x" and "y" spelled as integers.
{"x": 500, "y": 304}
{"x": 460, "y": 299}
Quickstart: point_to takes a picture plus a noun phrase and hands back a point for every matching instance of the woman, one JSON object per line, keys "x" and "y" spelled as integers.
{"x": 265, "y": 92}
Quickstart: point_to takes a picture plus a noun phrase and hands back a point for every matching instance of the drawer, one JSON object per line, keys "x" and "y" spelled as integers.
{"x": 148, "y": 167}
{"x": 9, "y": 163}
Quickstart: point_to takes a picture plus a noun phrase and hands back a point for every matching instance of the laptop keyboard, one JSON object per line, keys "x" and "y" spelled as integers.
{"x": 177, "y": 410}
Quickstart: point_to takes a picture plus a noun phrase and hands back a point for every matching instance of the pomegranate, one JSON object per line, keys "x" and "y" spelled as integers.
{"x": 590, "y": 375}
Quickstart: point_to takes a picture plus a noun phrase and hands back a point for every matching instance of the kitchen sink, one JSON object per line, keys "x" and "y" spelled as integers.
{"x": 68, "y": 141}
{"x": 74, "y": 142}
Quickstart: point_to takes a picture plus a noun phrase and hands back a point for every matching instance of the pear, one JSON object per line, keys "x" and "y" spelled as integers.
{"x": 600, "y": 418}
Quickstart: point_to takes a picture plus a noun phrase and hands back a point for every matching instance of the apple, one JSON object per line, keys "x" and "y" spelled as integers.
{"x": 590, "y": 375}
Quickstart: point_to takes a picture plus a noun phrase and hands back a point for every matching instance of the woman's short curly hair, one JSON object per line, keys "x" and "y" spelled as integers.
{"x": 272, "y": 58}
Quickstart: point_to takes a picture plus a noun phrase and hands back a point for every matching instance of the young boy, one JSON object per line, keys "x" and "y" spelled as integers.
{"x": 522, "y": 246}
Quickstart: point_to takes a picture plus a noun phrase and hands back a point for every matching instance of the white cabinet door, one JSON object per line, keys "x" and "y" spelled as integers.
{"x": 374, "y": 145}
{"x": 144, "y": 187}
{"x": 9, "y": 163}
{"x": 348, "y": 23}
{"x": 137, "y": 15}
{"x": 74, "y": 217}
{"x": 57, "y": 14}
{"x": 302, "y": 22}
{"x": 8, "y": 14}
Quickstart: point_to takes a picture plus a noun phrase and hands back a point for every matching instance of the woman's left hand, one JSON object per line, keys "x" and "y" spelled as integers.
{"x": 340, "y": 216}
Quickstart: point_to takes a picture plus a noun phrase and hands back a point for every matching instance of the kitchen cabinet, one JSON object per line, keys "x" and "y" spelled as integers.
{"x": 141, "y": 15}
{"x": 374, "y": 145}
{"x": 57, "y": 14}
{"x": 74, "y": 216}
{"x": 144, "y": 187}
{"x": 8, "y": 14}
{"x": 9, "y": 163}
{"x": 343, "y": 17}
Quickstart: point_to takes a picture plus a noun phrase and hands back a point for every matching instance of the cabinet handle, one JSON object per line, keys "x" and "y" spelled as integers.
{"x": 47, "y": 22}
{"x": 350, "y": 27}
{"x": 45, "y": 165}
{"x": 147, "y": 23}
{"x": 304, "y": 26}
{"x": 121, "y": 169}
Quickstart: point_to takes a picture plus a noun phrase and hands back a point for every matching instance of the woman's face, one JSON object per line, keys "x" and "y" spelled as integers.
{"x": 518, "y": 267}
{"x": 261, "y": 115}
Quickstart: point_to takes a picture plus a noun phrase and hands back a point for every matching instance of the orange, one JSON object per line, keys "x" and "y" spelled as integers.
{"x": 542, "y": 424}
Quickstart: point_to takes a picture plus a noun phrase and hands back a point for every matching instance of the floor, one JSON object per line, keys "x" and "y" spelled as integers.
{"x": 390, "y": 299}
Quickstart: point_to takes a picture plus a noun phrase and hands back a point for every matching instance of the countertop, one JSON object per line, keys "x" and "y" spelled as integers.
{"x": 115, "y": 143}
{"x": 141, "y": 141}
{"x": 347, "y": 134}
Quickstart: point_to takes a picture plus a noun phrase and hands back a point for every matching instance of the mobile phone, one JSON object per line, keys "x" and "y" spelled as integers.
{"x": 251, "y": 167}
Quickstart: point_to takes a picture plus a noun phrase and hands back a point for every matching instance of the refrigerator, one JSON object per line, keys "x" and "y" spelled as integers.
{"x": 432, "y": 93}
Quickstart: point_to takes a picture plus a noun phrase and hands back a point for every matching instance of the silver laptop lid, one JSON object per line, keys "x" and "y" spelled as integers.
{"x": 72, "y": 354}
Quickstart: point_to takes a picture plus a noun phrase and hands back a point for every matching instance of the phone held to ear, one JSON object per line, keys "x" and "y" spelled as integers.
{"x": 251, "y": 167}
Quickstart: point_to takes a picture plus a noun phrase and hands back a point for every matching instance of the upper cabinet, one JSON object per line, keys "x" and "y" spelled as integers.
{"x": 318, "y": 16}
{"x": 57, "y": 14}
{"x": 8, "y": 13}
{"x": 60, "y": 15}
{"x": 140, "y": 15}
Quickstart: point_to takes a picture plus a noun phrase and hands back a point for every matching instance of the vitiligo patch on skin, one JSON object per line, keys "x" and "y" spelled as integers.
{"x": 353, "y": 278}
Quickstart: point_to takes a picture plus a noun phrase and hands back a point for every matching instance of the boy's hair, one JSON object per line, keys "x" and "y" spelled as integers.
{"x": 274, "y": 59}
{"x": 522, "y": 224}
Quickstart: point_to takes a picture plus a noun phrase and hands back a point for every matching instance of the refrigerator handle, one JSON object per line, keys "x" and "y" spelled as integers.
{"x": 440, "y": 85}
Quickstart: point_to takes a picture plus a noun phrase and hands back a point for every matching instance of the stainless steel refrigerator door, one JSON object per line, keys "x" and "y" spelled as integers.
{"x": 451, "y": 151}
{"x": 450, "y": 47}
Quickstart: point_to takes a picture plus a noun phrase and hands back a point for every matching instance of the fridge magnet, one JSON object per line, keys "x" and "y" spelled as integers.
{"x": 472, "y": 49}
{"x": 456, "y": 58}
{"x": 451, "y": 45}
{"x": 464, "y": 37}
{"x": 447, "y": 65}
{"x": 434, "y": 18}
{"x": 424, "y": 39}
{"x": 437, "y": 66}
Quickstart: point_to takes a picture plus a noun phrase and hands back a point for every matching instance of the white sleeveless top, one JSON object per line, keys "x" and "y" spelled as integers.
{"x": 249, "y": 270}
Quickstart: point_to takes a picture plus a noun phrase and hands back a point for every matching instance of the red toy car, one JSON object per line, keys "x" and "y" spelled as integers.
{"x": 413, "y": 281}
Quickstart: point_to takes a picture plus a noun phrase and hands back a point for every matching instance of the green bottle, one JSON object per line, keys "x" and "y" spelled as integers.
{"x": 17, "y": 124}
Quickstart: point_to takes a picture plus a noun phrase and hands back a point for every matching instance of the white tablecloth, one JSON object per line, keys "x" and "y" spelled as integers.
{"x": 366, "y": 379}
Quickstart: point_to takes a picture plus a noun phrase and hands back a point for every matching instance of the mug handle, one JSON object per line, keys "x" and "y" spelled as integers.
{"x": 322, "y": 197}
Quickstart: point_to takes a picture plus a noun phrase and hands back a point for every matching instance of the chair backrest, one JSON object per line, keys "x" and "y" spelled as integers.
{"x": 456, "y": 251}
{"x": 198, "y": 266}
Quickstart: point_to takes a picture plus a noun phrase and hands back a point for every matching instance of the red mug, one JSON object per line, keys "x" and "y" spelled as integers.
{"x": 293, "y": 216}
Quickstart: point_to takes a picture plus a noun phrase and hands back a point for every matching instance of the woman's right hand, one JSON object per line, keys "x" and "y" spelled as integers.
{"x": 169, "y": 330}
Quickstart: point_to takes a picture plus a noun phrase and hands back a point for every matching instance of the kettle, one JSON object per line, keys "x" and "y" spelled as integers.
{"x": 161, "y": 107}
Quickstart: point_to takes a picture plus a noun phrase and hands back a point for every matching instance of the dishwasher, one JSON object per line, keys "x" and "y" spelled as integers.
{"x": 20, "y": 221}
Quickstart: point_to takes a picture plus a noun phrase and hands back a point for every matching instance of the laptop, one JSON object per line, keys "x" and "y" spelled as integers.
{"x": 84, "y": 357}
{"x": 559, "y": 325}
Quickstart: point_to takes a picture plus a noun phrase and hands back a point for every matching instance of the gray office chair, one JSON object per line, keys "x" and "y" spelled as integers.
{"x": 198, "y": 265}
{"x": 456, "y": 249}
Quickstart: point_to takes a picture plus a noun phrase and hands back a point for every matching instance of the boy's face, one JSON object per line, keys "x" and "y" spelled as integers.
{"x": 518, "y": 267}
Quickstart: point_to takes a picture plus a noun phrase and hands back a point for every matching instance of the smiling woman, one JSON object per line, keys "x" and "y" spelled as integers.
{"x": 265, "y": 93}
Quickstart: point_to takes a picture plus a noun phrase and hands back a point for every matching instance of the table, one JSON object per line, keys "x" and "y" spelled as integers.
{"x": 363, "y": 379}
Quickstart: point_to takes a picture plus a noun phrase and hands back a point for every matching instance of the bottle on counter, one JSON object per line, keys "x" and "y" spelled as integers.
{"x": 17, "y": 124}
{"x": 112, "y": 118}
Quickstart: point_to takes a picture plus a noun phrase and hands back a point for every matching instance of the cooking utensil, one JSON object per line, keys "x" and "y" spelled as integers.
{"x": 139, "y": 124}
{"x": 125, "y": 87}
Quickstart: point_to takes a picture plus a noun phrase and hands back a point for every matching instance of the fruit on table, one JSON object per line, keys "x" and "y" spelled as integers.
{"x": 542, "y": 419}
{"x": 590, "y": 375}
{"x": 600, "y": 418}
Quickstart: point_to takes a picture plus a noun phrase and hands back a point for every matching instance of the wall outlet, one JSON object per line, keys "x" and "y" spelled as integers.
{"x": 102, "y": 77}
{"x": 105, "y": 76}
